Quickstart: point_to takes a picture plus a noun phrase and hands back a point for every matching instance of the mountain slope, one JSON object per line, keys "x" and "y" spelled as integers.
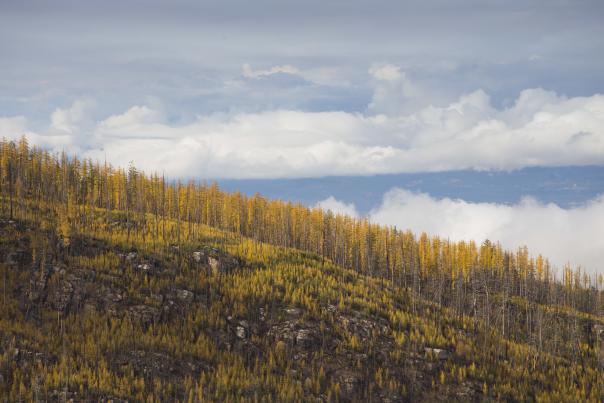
{"x": 97, "y": 317}
{"x": 103, "y": 298}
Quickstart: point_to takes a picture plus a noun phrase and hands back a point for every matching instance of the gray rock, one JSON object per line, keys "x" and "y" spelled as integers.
{"x": 214, "y": 264}
{"x": 145, "y": 267}
{"x": 306, "y": 338}
{"x": 437, "y": 353}
{"x": 293, "y": 311}
{"x": 185, "y": 296}
{"x": 222, "y": 264}
{"x": 198, "y": 256}
{"x": 113, "y": 297}
{"x": 240, "y": 332}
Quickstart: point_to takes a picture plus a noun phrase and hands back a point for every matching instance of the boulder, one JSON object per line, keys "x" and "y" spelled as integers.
{"x": 184, "y": 296}
{"x": 438, "y": 353}
{"x": 198, "y": 256}
{"x": 222, "y": 264}
{"x": 306, "y": 338}
{"x": 293, "y": 311}
{"x": 214, "y": 264}
{"x": 144, "y": 267}
{"x": 240, "y": 332}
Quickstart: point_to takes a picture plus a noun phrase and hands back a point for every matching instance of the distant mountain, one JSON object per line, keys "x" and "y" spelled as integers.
{"x": 565, "y": 186}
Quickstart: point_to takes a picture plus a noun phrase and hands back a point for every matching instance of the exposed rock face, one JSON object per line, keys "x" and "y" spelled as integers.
{"x": 293, "y": 311}
{"x": 293, "y": 334}
{"x": 216, "y": 260}
{"x": 306, "y": 338}
{"x": 199, "y": 256}
{"x": 74, "y": 289}
{"x": 241, "y": 332}
{"x": 214, "y": 264}
{"x": 144, "y": 267}
{"x": 437, "y": 353}
{"x": 185, "y": 296}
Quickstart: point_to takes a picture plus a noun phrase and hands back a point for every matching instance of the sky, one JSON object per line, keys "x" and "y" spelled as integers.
{"x": 287, "y": 91}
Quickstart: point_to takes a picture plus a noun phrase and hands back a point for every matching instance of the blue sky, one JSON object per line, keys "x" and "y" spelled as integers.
{"x": 275, "y": 91}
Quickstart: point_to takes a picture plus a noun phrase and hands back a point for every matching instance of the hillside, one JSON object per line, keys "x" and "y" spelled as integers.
{"x": 122, "y": 286}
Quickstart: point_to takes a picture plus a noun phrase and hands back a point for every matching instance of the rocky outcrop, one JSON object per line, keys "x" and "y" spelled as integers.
{"x": 184, "y": 296}
{"x": 437, "y": 353}
{"x": 218, "y": 262}
{"x": 301, "y": 336}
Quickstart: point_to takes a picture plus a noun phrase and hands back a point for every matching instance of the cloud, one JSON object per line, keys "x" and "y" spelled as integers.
{"x": 286, "y": 69}
{"x": 322, "y": 76}
{"x": 338, "y": 207}
{"x": 135, "y": 117}
{"x": 395, "y": 93}
{"x": 563, "y": 235}
{"x": 386, "y": 72}
{"x": 12, "y": 127}
{"x": 540, "y": 128}
{"x": 175, "y": 54}
{"x": 69, "y": 120}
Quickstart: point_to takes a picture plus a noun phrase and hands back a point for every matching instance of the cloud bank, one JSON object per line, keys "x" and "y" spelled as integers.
{"x": 541, "y": 128}
{"x": 571, "y": 235}
{"x": 338, "y": 207}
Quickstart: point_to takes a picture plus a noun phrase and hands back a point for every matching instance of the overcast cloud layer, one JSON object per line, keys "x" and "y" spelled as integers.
{"x": 563, "y": 235}
{"x": 200, "y": 57}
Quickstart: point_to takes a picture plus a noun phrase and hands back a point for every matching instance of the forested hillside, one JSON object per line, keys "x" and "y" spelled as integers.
{"x": 122, "y": 285}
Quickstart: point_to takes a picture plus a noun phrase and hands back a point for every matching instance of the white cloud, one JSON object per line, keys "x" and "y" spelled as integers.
{"x": 338, "y": 207}
{"x": 12, "y": 127}
{"x": 563, "y": 235}
{"x": 69, "y": 120}
{"x": 135, "y": 117}
{"x": 248, "y": 72}
{"x": 540, "y": 129}
{"x": 395, "y": 94}
{"x": 328, "y": 76}
{"x": 386, "y": 72}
